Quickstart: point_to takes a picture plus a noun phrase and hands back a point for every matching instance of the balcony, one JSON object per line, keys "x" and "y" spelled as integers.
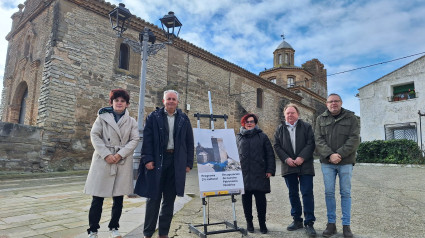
{"x": 403, "y": 96}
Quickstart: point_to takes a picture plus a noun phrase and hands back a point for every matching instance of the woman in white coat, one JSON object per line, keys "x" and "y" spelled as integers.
{"x": 114, "y": 136}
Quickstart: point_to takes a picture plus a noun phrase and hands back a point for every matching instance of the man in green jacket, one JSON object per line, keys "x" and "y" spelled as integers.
{"x": 337, "y": 139}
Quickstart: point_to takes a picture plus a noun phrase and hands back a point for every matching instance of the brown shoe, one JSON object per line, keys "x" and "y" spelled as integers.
{"x": 330, "y": 230}
{"x": 147, "y": 236}
{"x": 346, "y": 231}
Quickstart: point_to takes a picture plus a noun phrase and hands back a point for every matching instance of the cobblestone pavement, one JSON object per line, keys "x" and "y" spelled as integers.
{"x": 388, "y": 201}
{"x": 49, "y": 207}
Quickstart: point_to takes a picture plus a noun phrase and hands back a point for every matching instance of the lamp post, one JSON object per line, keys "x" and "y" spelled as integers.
{"x": 420, "y": 125}
{"x": 119, "y": 18}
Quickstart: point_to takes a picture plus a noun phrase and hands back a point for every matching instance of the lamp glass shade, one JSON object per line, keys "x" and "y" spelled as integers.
{"x": 119, "y": 17}
{"x": 169, "y": 24}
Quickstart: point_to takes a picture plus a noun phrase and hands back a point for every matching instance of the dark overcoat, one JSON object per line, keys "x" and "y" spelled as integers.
{"x": 257, "y": 158}
{"x": 304, "y": 146}
{"x": 155, "y": 139}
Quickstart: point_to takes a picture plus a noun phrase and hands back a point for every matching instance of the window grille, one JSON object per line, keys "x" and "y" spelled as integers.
{"x": 401, "y": 131}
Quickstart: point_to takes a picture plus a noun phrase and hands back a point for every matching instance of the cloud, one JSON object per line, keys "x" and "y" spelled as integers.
{"x": 342, "y": 34}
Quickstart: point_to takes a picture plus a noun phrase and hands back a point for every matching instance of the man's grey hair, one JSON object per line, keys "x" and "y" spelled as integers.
{"x": 335, "y": 94}
{"x": 291, "y": 105}
{"x": 171, "y": 91}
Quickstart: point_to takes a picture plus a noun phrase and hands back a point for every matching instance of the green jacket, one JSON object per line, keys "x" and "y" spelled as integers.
{"x": 339, "y": 135}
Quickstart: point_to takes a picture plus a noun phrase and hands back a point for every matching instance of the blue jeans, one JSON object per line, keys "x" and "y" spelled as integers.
{"x": 305, "y": 183}
{"x": 345, "y": 173}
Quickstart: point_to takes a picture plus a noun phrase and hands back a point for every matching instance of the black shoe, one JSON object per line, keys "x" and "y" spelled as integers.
{"x": 249, "y": 226}
{"x": 263, "y": 228}
{"x": 309, "y": 230}
{"x": 330, "y": 230}
{"x": 346, "y": 231}
{"x": 295, "y": 225}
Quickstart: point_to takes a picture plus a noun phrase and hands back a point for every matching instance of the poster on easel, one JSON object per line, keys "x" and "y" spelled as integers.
{"x": 219, "y": 167}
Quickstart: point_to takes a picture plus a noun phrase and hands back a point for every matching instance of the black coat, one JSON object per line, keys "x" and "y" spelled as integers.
{"x": 155, "y": 139}
{"x": 257, "y": 158}
{"x": 304, "y": 146}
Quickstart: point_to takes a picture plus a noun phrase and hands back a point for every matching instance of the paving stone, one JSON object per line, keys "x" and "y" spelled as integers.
{"x": 52, "y": 223}
{"x": 21, "y": 218}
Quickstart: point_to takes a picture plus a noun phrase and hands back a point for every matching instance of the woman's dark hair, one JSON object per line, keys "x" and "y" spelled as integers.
{"x": 245, "y": 118}
{"x": 116, "y": 93}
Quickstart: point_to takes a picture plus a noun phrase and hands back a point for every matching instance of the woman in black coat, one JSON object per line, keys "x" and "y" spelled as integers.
{"x": 258, "y": 165}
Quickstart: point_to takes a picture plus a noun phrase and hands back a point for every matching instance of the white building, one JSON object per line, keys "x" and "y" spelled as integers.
{"x": 389, "y": 105}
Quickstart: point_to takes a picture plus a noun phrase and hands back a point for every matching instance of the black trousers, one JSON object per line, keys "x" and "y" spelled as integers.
{"x": 96, "y": 212}
{"x": 168, "y": 196}
{"x": 260, "y": 202}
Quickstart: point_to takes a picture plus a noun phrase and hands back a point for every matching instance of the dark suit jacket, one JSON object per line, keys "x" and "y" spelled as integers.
{"x": 304, "y": 146}
{"x": 155, "y": 139}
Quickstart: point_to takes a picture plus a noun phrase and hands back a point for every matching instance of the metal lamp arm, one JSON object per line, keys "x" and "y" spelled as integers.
{"x": 136, "y": 46}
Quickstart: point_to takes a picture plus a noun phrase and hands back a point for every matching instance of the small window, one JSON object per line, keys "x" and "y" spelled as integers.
{"x": 307, "y": 83}
{"x": 404, "y": 92}
{"x": 124, "y": 57}
{"x": 291, "y": 82}
{"x": 27, "y": 47}
{"x": 273, "y": 81}
{"x": 401, "y": 131}
{"x": 286, "y": 58}
{"x": 21, "y": 119}
{"x": 259, "y": 98}
{"x": 280, "y": 59}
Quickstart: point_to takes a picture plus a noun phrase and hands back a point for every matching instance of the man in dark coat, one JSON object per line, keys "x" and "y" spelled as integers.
{"x": 294, "y": 145}
{"x": 167, "y": 155}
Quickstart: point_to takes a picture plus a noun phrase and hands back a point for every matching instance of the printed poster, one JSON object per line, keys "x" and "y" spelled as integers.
{"x": 219, "y": 167}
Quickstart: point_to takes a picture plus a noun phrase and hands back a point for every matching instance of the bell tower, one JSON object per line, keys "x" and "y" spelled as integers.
{"x": 284, "y": 54}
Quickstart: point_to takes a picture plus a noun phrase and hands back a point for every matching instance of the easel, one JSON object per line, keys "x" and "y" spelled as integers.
{"x": 230, "y": 227}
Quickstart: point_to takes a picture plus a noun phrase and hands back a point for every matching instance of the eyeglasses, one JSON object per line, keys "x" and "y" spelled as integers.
{"x": 248, "y": 122}
{"x": 334, "y": 101}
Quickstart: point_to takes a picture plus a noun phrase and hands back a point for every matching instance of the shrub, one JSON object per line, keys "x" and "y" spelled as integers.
{"x": 390, "y": 152}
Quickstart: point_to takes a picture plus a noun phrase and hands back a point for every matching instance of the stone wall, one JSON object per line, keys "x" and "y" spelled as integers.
{"x": 20, "y": 147}
{"x": 78, "y": 66}
{"x": 24, "y": 61}
{"x": 319, "y": 79}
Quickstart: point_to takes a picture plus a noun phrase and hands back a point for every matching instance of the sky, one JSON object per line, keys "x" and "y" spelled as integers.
{"x": 342, "y": 34}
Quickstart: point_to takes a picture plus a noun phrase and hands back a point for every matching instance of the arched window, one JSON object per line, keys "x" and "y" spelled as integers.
{"x": 124, "y": 57}
{"x": 272, "y": 79}
{"x": 259, "y": 97}
{"x": 286, "y": 58}
{"x": 279, "y": 59}
{"x": 306, "y": 83}
{"x": 291, "y": 82}
{"x": 23, "y": 107}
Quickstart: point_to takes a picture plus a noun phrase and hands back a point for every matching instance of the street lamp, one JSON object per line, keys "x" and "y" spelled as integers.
{"x": 420, "y": 126}
{"x": 119, "y": 18}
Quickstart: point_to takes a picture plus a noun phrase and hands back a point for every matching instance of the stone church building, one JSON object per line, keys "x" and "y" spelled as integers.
{"x": 63, "y": 59}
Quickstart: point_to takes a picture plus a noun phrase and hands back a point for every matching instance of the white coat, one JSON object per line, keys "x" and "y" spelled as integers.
{"x": 110, "y": 137}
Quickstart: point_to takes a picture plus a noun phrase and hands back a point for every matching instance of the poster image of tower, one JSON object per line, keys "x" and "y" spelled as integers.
{"x": 219, "y": 168}
{"x": 213, "y": 156}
